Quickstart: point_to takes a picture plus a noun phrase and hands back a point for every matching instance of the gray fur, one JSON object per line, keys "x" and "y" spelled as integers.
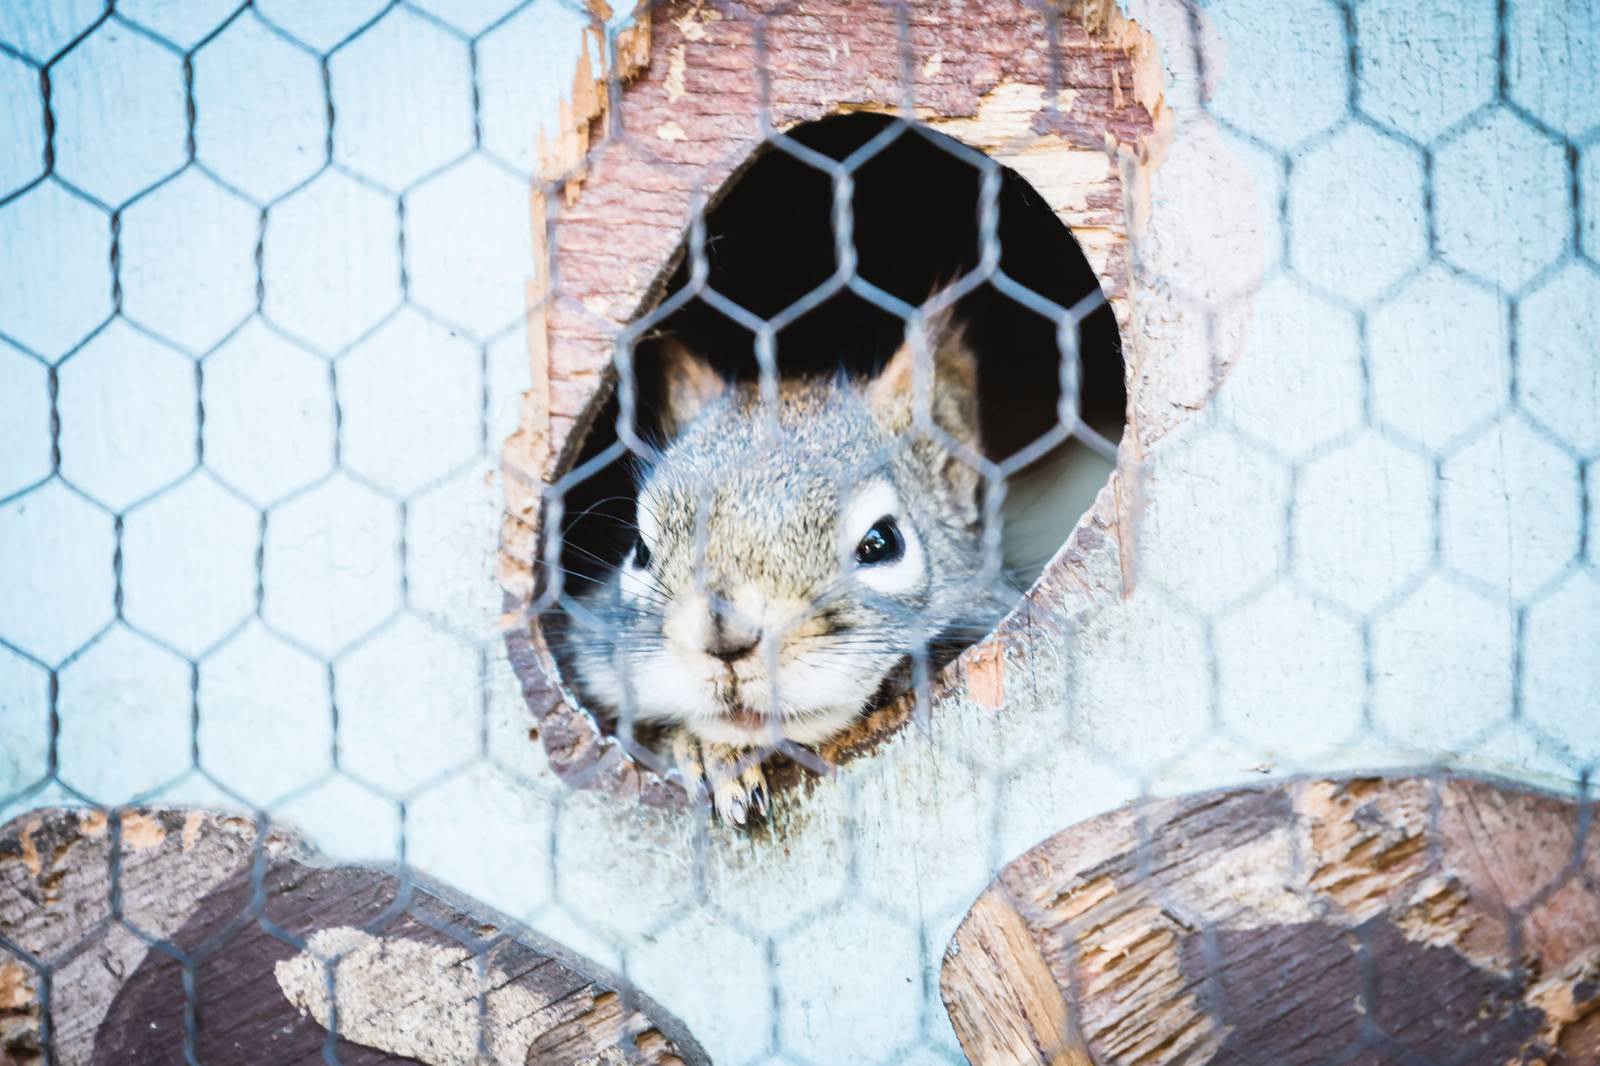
{"x": 747, "y": 497}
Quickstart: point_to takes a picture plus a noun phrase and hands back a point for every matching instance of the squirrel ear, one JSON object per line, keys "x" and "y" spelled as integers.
{"x": 895, "y": 395}
{"x": 689, "y": 385}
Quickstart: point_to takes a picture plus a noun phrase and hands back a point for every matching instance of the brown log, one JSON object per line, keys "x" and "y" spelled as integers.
{"x": 417, "y": 976}
{"x": 1004, "y": 1004}
{"x": 1453, "y": 919}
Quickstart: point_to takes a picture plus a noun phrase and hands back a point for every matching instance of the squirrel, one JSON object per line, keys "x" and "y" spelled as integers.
{"x": 778, "y": 582}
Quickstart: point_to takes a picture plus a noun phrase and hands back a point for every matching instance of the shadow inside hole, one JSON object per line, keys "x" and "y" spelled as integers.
{"x": 770, "y": 242}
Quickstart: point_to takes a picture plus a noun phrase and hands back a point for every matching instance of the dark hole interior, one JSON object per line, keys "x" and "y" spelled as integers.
{"x": 769, "y": 241}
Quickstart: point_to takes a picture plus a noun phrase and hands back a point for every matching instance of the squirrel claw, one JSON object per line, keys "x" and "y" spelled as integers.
{"x": 754, "y": 783}
{"x": 729, "y": 777}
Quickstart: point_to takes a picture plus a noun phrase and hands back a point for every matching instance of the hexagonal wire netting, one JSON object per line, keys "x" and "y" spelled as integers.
{"x": 263, "y": 335}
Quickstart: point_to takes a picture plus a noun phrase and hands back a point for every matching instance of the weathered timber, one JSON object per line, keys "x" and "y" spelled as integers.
{"x": 253, "y": 925}
{"x": 1366, "y": 921}
{"x": 1071, "y": 98}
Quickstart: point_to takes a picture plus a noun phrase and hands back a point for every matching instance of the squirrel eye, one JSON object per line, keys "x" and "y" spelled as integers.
{"x": 641, "y": 554}
{"x": 882, "y": 544}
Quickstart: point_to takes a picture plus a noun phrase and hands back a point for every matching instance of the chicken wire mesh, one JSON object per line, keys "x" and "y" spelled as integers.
{"x": 264, "y": 337}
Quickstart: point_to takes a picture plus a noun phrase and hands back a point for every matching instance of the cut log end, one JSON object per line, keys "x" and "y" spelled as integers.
{"x": 1459, "y": 919}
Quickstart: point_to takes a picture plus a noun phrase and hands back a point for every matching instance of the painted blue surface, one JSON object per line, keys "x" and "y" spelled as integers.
{"x": 1377, "y": 545}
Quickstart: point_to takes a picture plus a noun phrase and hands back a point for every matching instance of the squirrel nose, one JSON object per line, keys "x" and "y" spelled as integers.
{"x": 729, "y": 651}
{"x": 730, "y": 640}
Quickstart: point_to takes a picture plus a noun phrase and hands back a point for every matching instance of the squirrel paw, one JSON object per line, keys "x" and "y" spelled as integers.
{"x": 730, "y": 776}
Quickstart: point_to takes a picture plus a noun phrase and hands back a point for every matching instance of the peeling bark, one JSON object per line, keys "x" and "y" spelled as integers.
{"x": 417, "y": 980}
{"x": 1459, "y": 917}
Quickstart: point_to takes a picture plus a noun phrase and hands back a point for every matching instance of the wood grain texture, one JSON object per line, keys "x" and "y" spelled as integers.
{"x": 1004, "y": 1002}
{"x": 1069, "y": 97}
{"x": 1356, "y": 920}
{"x": 270, "y": 944}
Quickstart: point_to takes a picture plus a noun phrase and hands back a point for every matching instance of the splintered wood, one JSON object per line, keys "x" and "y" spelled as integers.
{"x": 1009, "y": 1009}
{"x": 1071, "y": 98}
{"x": 1308, "y": 922}
{"x": 414, "y": 980}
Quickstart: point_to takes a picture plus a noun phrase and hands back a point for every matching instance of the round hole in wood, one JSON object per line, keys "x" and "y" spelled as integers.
{"x": 918, "y": 205}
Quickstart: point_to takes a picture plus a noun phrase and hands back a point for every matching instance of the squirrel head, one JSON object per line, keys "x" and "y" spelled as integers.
{"x": 792, "y": 555}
